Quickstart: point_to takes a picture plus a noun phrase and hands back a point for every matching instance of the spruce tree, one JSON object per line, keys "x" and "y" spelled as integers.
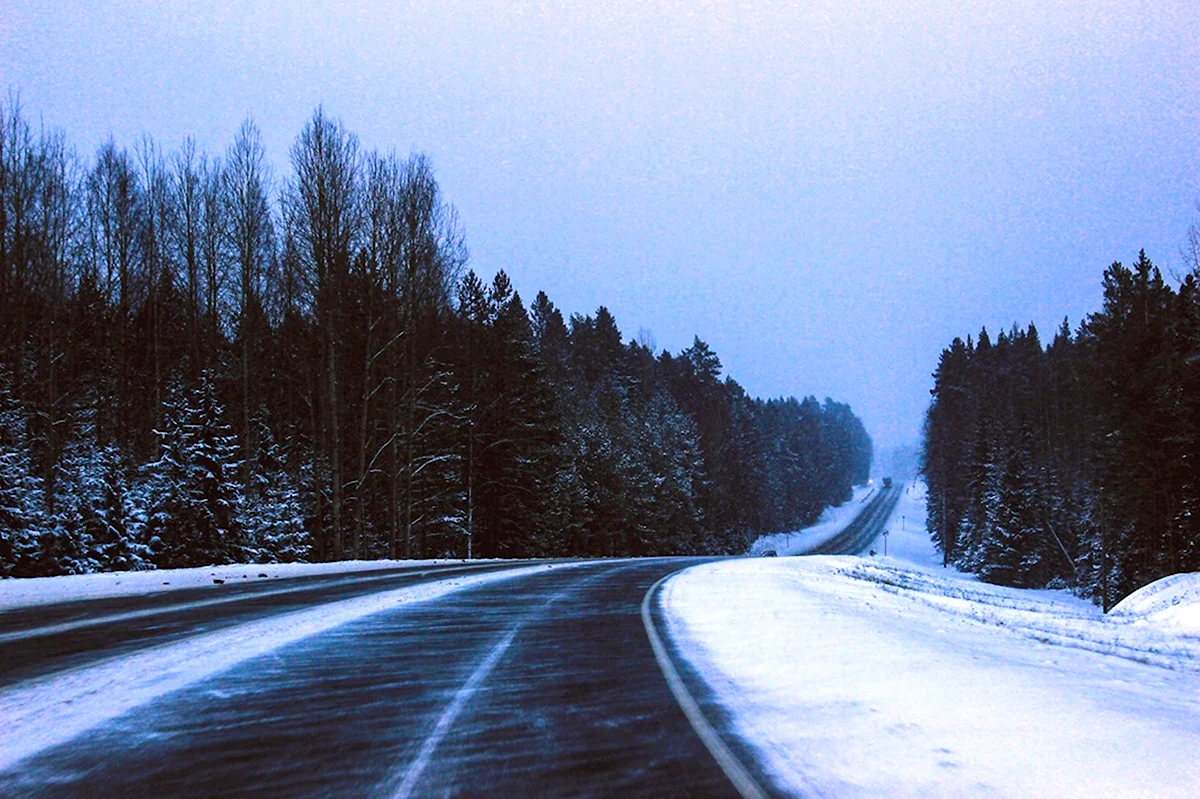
{"x": 22, "y": 501}
{"x": 195, "y": 513}
{"x": 272, "y": 516}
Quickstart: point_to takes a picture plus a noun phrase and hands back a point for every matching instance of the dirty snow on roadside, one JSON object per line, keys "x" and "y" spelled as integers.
{"x": 869, "y": 677}
{"x": 31, "y": 591}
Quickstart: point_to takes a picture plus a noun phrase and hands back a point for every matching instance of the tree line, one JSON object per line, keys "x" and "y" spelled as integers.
{"x": 1078, "y": 463}
{"x": 203, "y": 363}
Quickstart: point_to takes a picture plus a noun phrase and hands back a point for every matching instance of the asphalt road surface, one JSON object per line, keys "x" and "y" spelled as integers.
{"x": 41, "y": 640}
{"x": 864, "y": 529}
{"x": 544, "y": 684}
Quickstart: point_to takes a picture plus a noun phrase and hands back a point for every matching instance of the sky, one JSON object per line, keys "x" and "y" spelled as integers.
{"x": 827, "y": 193}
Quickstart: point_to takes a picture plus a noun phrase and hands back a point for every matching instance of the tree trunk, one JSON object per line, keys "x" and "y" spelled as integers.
{"x": 335, "y": 441}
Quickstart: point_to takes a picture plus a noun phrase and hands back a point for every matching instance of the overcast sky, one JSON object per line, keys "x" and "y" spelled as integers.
{"x": 826, "y": 192}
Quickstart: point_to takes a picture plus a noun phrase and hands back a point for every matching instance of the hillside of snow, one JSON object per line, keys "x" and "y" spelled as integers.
{"x": 893, "y": 676}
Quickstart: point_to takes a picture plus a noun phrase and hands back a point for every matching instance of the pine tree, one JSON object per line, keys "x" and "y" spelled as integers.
{"x": 22, "y": 501}
{"x": 272, "y": 516}
{"x": 195, "y": 514}
{"x": 91, "y": 509}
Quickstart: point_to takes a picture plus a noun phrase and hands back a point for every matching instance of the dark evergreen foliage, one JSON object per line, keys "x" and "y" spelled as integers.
{"x": 199, "y": 366}
{"x": 1075, "y": 463}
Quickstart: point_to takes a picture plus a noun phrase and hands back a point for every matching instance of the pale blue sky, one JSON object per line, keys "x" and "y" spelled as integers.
{"x": 826, "y": 192}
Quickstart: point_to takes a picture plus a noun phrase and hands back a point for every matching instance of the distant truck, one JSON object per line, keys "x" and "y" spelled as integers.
{"x": 887, "y": 482}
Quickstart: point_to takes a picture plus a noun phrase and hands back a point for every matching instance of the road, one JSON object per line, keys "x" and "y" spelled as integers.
{"x": 541, "y": 684}
{"x": 51, "y": 638}
{"x": 864, "y": 529}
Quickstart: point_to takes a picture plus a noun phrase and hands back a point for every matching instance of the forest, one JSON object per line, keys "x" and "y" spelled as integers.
{"x": 202, "y": 362}
{"x": 1076, "y": 464}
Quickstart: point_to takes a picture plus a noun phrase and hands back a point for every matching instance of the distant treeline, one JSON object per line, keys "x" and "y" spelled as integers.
{"x": 200, "y": 365}
{"x": 1078, "y": 464}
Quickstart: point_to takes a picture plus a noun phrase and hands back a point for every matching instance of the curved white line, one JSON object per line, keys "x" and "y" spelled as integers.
{"x": 48, "y": 711}
{"x": 742, "y": 780}
{"x": 446, "y": 720}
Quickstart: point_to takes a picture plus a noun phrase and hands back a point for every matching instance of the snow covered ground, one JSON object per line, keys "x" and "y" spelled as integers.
{"x": 28, "y": 592}
{"x": 872, "y": 676}
{"x": 908, "y": 542}
{"x": 830, "y": 524}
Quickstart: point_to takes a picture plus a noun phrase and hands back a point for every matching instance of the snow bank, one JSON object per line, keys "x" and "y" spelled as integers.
{"x": 908, "y": 541}
{"x": 27, "y": 592}
{"x": 830, "y": 524}
{"x": 867, "y": 677}
{"x": 45, "y": 712}
{"x": 1171, "y": 604}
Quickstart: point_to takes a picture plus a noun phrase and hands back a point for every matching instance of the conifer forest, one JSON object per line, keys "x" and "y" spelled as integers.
{"x": 204, "y": 362}
{"x": 1075, "y": 464}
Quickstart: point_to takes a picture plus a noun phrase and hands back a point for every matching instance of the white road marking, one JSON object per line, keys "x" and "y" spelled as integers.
{"x": 741, "y": 778}
{"x": 49, "y": 711}
{"x": 413, "y": 773}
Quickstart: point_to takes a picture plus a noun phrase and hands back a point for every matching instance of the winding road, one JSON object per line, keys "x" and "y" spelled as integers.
{"x": 864, "y": 529}
{"x": 503, "y": 679}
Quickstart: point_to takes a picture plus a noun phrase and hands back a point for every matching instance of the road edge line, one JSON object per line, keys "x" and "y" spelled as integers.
{"x": 738, "y": 774}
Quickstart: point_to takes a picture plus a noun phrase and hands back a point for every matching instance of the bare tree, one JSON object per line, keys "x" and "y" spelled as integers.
{"x": 187, "y": 185}
{"x": 158, "y": 213}
{"x": 323, "y": 210}
{"x": 213, "y": 263}
{"x": 250, "y": 236}
{"x": 58, "y": 225}
{"x": 433, "y": 256}
{"x": 114, "y": 220}
{"x": 1191, "y": 248}
{"x": 38, "y": 224}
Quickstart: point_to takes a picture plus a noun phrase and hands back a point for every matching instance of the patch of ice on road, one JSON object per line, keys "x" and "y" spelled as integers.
{"x": 870, "y": 677}
{"x": 45, "y": 712}
{"x": 32, "y": 591}
{"x": 832, "y": 522}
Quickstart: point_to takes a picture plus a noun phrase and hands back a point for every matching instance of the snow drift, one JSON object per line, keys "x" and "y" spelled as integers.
{"x": 1171, "y": 604}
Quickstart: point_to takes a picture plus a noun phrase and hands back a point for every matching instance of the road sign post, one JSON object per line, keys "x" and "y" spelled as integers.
{"x": 885, "y": 535}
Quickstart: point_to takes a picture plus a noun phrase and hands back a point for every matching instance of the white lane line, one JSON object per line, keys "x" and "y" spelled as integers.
{"x": 131, "y": 615}
{"x": 742, "y": 780}
{"x": 49, "y": 711}
{"x": 464, "y": 694}
{"x": 413, "y": 774}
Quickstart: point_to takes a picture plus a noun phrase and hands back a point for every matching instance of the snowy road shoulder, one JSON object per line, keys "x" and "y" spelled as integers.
{"x": 853, "y": 677}
{"x": 45, "y": 712}
{"x": 26, "y": 592}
